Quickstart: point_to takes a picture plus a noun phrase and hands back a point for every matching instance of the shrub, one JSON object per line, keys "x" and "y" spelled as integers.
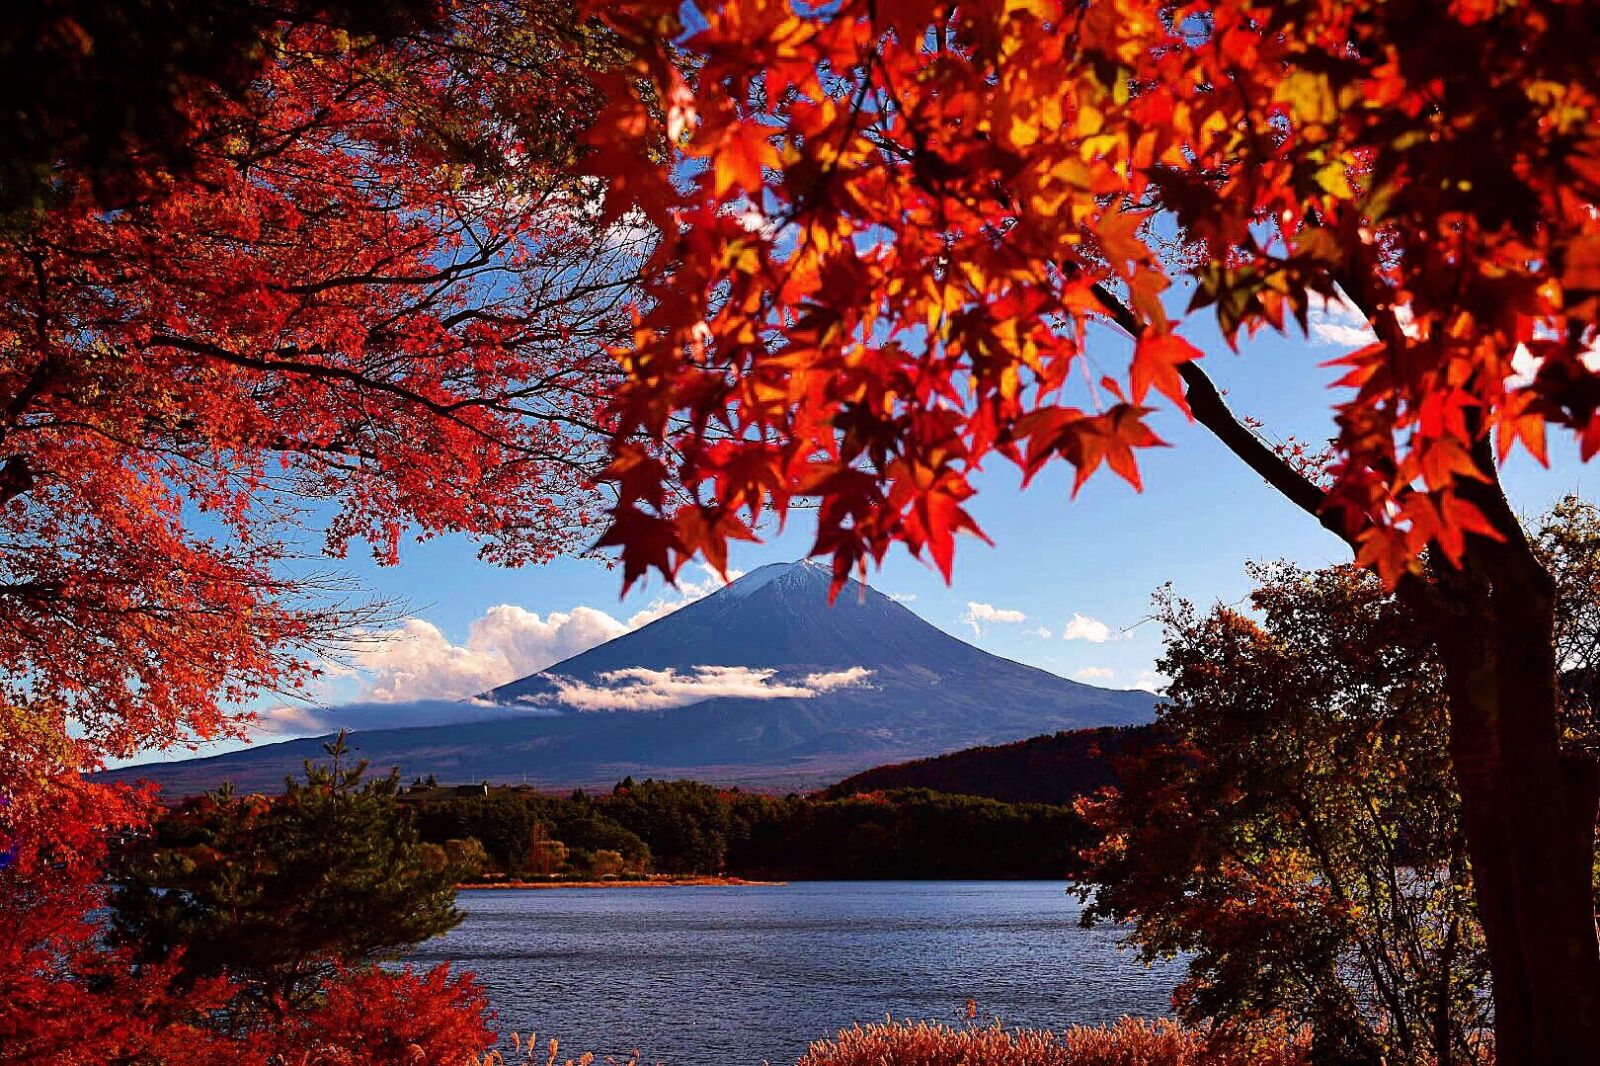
{"x": 1131, "y": 1042}
{"x": 606, "y": 863}
{"x": 374, "y": 1017}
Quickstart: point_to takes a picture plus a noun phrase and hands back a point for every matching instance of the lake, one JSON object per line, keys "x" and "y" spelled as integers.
{"x": 745, "y": 974}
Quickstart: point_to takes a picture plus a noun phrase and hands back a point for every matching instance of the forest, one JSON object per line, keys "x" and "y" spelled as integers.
{"x": 683, "y": 827}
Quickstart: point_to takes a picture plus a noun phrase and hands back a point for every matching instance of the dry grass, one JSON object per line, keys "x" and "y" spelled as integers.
{"x": 531, "y": 1052}
{"x": 1131, "y": 1042}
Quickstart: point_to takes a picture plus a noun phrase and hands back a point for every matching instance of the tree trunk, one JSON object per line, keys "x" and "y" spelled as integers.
{"x": 1528, "y": 810}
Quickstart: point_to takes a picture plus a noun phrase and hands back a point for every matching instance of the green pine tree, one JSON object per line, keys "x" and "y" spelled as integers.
{"x": 277, "y": 893}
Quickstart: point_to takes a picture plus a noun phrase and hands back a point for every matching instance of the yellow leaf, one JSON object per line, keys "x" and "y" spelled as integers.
{"x": 1309, "y": 96}
{"x": 1332, "y": 179}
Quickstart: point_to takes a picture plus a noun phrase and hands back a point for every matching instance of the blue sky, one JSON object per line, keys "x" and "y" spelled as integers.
{"x": 1201, "y": 516}
{"x": 1095, "y": 559}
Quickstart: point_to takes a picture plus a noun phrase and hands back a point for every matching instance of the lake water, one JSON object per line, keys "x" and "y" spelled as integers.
{"x": 746, "y": 974}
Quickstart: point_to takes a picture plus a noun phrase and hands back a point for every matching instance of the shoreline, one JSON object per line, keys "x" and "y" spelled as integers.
{"x": 654, "y": 882}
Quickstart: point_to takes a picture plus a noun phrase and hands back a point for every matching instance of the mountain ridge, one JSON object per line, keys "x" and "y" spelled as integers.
{"x": 760, "y": 684}
{"x": 1056, "y": 769}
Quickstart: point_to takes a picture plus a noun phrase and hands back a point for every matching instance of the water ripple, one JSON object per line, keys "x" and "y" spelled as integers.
{"x": 746, "y": 974}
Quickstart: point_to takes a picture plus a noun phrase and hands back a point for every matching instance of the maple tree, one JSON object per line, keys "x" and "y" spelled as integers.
{"x": 1298, "y": 838}
{"x": 109, "y": 92}
{"x": 383, "y": 1016}
{"x": 374, "y": 300}
{"x": 68, "y": 995}
{"x": 327, "y": 267}
{"x": 889, "y": 226}
{"x": 57, "y": 987}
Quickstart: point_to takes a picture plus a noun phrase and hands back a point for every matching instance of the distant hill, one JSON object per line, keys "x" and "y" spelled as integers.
{"x": 762, "y": 684}
{"x": 1053, "y": 769}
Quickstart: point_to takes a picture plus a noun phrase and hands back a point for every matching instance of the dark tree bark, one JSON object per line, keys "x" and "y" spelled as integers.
{"x": 1529, "y": 809}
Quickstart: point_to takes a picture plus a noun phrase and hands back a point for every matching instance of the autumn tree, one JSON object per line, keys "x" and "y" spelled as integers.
{"x": 59, "y": 989}
{"x": 396, "y": 1015}
{"x": 546, "y": 855}
{"x": 891, "y": 226}
{"x": 373, "y": 300}
{"x": 69, "y": 995}
{"x": 108, "y": 92}
{"x": 262, "y": 266}
{"x": 1302, "y": 838}
{"x": 1299, "y": 840}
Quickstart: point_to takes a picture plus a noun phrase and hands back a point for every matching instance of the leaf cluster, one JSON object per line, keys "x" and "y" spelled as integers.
{"x": 893, "y": 230}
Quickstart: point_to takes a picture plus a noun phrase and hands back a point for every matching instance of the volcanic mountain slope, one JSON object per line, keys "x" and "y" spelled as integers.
{"x": 761, "y": 684}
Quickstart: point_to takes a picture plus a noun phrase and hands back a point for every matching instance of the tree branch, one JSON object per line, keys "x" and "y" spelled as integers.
{"x": 1209, "y": 409}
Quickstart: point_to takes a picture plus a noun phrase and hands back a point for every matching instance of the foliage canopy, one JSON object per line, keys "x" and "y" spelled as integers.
{"x": 891, "y": 228}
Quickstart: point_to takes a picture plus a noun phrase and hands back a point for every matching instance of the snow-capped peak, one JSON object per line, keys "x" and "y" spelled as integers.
{"x": 802, "y": 572}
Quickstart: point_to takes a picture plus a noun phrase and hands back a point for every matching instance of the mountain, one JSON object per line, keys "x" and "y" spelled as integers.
{"x": 1053, "y": 769}
{"x": 761, "y": 684}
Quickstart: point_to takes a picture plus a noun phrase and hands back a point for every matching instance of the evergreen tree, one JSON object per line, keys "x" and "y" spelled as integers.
{"x": 277, "y": 894}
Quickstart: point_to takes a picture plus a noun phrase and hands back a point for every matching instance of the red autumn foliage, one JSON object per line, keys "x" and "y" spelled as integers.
{"x": 371, "y": 290}
{"x": 339, "y": 279}
{"x": 372, "y": 299}
{"x": 67, "y": 998}
{"x": 61, "y": 991}
{"x": 405, "y": 1018}
{"x": 890, "y": 228}
{"x": 904, "y": 218}
{"x": 64, "y": 997}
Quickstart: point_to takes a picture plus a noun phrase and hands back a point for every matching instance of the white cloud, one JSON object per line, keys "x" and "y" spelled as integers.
{"x": 643, "y": 689}
{"x": 752, "y": 220}
{"x": 416, "y": 661}
{"x": 289, "y": 720}
{"x": 902, "y": 597}
{"x": 1151, "y": 681}
{"x": 854, "y": 677}
{"x": 1525, "y": 366}
{"x": 978, "y": 615}
{"x": 302, "y": 720}
{"x": 1082, "y": 627}
{"x": 1095, "y": 673}
{"x": 414, "y": 675}
{"x": 1338, "y": 322}
{"x": 1041, "y": 632}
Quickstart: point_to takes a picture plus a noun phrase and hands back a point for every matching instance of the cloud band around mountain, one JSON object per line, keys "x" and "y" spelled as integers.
{"x": 416, "y": 661}
{"x": 644, "y": 689}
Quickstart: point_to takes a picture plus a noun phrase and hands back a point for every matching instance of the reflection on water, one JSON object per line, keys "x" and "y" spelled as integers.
{"x": 744, "y": 974}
